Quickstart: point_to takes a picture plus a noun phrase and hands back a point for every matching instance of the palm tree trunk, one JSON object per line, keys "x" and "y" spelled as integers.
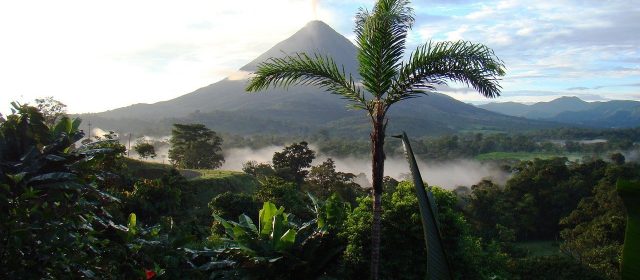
{"x": 377, "y": 150}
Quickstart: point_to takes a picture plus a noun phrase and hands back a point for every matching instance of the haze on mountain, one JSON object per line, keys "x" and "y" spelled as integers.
{"x": 225, "y": 106}
{"x": 573, "y": 110}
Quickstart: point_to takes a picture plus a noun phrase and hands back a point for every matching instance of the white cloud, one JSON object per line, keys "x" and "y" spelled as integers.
{"x": 457, "y": 34}
{"x": 125, "y": 52}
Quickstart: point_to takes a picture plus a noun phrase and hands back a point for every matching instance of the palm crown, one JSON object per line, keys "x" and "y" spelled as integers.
{"x": 384, "y": 78}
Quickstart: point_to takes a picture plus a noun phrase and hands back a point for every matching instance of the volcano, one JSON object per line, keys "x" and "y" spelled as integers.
{"x": 226, "y": 107}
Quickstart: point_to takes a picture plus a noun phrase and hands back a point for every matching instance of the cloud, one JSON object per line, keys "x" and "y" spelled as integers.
{"x": 147, "y": 51}
{"x": 158, "y": 58}
{"x": 578, "y": 88}
{"x": 605, "y": 86}
{"x": 543, "y": 46}
{"x": 239, "y": 75}
{"x": 135, "y": 52}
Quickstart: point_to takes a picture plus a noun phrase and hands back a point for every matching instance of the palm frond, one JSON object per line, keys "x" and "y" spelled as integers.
{"x": 302, "y": 69}
{"x": 474, "y": 65}
{"x": 381, "y": 36}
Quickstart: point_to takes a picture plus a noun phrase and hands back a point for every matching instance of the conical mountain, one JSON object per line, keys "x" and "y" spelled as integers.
{"x": 229, "y": 94}
{"x": 225, "y": 106}
{"x": 315, "y": 37}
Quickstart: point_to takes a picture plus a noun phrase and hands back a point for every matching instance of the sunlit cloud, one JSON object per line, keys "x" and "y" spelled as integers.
{"x": 124, "y": 52}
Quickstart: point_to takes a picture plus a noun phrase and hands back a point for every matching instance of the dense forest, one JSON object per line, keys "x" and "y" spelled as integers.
{"x": 87, "y": 211}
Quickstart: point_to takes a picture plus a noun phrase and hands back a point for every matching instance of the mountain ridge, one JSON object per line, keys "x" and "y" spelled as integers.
{"x": 575, "y": 111}
{"x": 307, "y": 109}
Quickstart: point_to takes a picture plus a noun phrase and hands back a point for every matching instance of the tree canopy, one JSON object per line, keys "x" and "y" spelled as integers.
{"x": 145, "y": 150}
{"x": 195, "y": 146}
{"x": 293, "y": 161}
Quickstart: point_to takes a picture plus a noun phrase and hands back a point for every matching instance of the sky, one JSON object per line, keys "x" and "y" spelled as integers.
{"x": 101, "y": 55}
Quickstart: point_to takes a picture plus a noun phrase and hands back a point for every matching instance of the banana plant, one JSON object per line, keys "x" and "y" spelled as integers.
{"x": 274, "y": 233}
{"x": 437, "y": 263}
{"x": 278, "y": 247}
{"x": 629, "y": 191}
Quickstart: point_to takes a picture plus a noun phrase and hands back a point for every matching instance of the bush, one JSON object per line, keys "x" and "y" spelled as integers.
{"x": 153, "y": 199}
{"x": 403, "y": 250}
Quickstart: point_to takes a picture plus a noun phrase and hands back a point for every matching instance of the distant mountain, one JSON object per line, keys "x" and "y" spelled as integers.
{"x": 225, "y": 106}
{"x": 573, "y": 110}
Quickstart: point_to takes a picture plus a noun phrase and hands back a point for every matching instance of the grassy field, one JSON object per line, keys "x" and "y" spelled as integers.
{"x": 524, "y": 156}
{"x": 144, "y": 169}
{"x": 539, "y": 248}
{"x": 204, "y": 183}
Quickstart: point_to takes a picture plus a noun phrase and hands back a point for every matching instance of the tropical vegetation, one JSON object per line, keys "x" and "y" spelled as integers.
{"x": 385, "y": 79}
{"x": 87, "y": 211}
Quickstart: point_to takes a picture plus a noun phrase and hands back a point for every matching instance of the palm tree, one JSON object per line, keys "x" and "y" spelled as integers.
{"x": 385, "y": 78}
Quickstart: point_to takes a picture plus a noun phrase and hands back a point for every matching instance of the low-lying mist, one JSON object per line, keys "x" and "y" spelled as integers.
{"x": 449, "y": 174}
{"x": 460, "y": 172}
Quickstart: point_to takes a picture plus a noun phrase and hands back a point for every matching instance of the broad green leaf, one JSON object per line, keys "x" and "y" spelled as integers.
{"x": 70, "y": 185}
{"x": 240, "y": 235}
{"x": 629, "y": 191}
{"x": 76, "y": 124}
{"x": 227, "y": 226}
{"x": 17, "y": 178}
{"x": 88, "y": 273}
{"x": 247, "y": 222}
{"x": 132, "y": 223}
{"x": 55, "y": 158}
{"x": 437, "y": 264}
{"x": 287, "y": 240}
{"x": 64, "y": 125}
{"x": 266, "y": 215}
{"x": 54, "y": 176}
{"x": 334, "y": 210}
{"x": 279, "y": 228}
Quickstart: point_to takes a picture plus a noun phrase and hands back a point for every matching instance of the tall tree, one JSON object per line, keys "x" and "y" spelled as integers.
{"x": 292, "y": 162}
{"x": 385, "y": 78}
{"x": 145, "y": 149}
{"x": 51, "y": 109}
{"x": 195, "y": 146}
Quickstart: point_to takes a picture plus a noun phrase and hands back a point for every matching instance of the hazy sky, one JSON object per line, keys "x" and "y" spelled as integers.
{"x": 100, "y": 55}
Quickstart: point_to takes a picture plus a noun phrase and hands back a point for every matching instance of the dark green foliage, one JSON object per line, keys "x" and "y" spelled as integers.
{"x": 485, "y": 206}
{"x": 195, "y": 146}
{"x": 292, "y": 162}
{"x": 401, "y": 256}
{"x": 594, "y": 232}
{"x": 55, "y": 224}
{"x": 60, "y": 221}
{"x": 630, "y": 193}
{"x": 152, "y": 200}
{"x": 258, "y": 170}
{"x": 551, "y": 268}
{"x": 617, "y": 158}
{"x": 281, "y": 192}
{"x": 542, "y": 192}
{"x": 145, "y": 150}
{"x": 228, "y": 205}
{"x": 324, "y": 180}
{"x": 201, "y": 191}
{"x": 278, "y": 247}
